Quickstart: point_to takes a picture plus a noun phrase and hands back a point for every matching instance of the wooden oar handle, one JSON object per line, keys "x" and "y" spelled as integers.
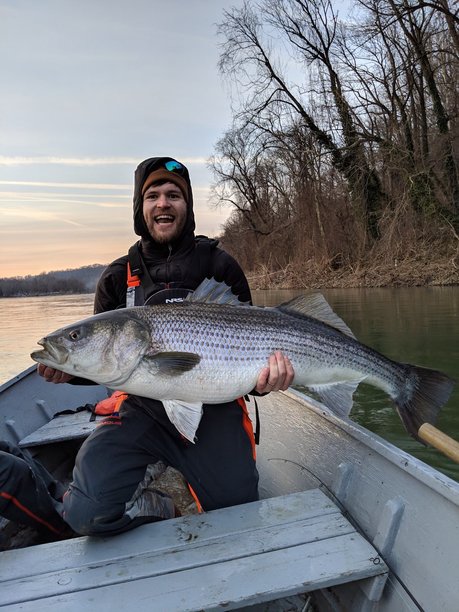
{"x": 439, "y": 440}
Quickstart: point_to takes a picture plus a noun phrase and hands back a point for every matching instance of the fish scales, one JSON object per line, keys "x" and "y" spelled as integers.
{"x": 216, "y": 333}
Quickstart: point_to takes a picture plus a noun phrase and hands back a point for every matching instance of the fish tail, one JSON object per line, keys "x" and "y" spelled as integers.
{"x": 425, "y": 393}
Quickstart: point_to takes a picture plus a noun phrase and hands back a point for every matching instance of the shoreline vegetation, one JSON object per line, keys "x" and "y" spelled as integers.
{"x": 58, "y": 282}
{"x": 411, "y": 272}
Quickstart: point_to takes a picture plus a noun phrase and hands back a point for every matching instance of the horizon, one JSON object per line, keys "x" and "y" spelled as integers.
{"x": 44, "y": 272}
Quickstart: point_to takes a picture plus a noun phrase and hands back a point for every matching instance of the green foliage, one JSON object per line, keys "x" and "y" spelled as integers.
{"x": 422, "y": 194}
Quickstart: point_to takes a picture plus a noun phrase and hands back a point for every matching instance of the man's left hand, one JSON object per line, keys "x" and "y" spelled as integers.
{"x": 277, "y": 375}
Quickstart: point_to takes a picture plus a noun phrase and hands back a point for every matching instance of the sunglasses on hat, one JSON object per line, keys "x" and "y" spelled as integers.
{"x": 160, "y": 174}
{"x": 175, "y": 166}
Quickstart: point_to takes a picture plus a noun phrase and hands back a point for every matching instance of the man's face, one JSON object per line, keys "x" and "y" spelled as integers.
{"x": 164, "y": 211}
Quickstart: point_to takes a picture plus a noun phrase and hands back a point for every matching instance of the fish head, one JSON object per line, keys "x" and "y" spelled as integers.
{"x": 105, "y": 348}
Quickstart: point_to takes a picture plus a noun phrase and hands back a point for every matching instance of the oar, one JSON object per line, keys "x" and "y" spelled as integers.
{"x": 439, "y": 440}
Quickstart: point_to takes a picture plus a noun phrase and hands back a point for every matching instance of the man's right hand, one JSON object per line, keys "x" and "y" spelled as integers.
{"x": 52, "y": 375}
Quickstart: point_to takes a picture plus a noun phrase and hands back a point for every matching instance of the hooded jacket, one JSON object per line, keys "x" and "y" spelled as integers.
{"x": 174, "y": 265}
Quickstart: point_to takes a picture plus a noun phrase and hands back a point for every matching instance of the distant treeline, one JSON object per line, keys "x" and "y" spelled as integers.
{"x": 78, "y": 280}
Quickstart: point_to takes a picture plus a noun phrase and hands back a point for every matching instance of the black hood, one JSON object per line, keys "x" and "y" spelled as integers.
{"x": 142, "y": 172}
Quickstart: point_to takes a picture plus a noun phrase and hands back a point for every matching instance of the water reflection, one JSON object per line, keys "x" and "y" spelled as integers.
{"x": 23, "y": 321}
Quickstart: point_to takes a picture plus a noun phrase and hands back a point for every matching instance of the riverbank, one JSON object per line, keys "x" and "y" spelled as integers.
{"x": 412, "y": 272}
{"x": 419, "y": 270}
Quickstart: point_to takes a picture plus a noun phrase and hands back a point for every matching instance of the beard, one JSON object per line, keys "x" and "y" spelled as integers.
{"x": 171, "y": 234}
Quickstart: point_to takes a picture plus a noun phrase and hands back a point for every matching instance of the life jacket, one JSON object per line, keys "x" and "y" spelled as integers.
{"x": 142, "y": 289}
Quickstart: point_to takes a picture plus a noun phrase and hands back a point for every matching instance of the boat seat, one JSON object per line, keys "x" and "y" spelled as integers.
{"x": 225, "y": 559}
{"x": 62, "y": 427}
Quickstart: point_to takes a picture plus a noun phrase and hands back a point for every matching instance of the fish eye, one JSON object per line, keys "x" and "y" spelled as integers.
{"x": 74, "y": 334}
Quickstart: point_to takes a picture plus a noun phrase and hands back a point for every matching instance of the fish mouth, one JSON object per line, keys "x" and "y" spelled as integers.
{"x": 49, "y": 354}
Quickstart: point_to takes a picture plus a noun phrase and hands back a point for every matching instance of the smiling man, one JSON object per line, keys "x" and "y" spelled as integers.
{"x": 113, "y": 487}
{"x": 164, "y": 210}
{"x": 165, "y": 204}
{"x": 168, "y": 261}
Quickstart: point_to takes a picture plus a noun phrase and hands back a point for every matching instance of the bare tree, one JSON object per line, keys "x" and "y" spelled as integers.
{"x": 416, "y": 30}
{"x": 343, "y": 142}
{"x": 310, "y": 28}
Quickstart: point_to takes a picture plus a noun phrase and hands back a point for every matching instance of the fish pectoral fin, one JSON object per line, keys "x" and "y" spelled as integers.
{"x": 337, "y": 396}
{"x": 172, "y": 363}
{"x": 185, "y": 416}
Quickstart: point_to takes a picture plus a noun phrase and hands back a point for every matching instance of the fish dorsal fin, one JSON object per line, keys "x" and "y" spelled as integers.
{"x": 316, "y": 306}
{"x": 215, "y": 292}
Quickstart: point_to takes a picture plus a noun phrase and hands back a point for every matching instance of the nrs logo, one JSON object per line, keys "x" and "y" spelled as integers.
{"x": 171, "y": 300}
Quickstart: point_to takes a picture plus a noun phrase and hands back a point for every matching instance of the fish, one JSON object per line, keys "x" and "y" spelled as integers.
{"x": 210, "y": 349}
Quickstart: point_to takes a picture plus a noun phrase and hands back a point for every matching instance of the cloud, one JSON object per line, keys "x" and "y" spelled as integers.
{"x": 84, "y": 161}
{"x": 115, "y": 186}
{"x": 55, "y": 195}
{"x": 34, "y": 214}
{"x": 65, "y": 198}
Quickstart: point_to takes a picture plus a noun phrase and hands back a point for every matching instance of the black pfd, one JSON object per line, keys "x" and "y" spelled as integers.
{"x": 143, "y": 289}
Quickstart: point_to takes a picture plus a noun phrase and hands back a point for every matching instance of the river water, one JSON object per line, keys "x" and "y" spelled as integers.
{"x": 416, "y": 325}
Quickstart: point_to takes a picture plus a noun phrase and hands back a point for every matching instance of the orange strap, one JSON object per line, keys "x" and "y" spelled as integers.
{"x": 28, "y": 512}
{"x": 110, "y": 405}
{"x": 132, "y": 279}
{"x": 195, "y": 497}
{"x": 247, "y": 425}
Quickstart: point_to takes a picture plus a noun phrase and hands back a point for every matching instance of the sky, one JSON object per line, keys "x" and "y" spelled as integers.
{"x": 90, "y": 88}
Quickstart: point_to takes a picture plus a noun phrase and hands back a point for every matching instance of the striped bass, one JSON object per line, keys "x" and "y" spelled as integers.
{"x": 210, "y": 349}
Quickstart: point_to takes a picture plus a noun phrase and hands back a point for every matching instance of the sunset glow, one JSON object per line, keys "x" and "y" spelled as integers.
{"x": 78, "y": 114}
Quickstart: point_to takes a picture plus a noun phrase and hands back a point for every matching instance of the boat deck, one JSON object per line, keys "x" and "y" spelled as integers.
{"x": 228, "y": 558}
{"x": 62, "y": 428}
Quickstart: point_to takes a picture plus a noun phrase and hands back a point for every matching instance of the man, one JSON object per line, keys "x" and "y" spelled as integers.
{"x": 113, "y": 487}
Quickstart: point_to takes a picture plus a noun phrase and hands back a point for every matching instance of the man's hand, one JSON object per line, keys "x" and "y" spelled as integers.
{"x": 278, "y": 375}
{"x": 52, "y": 375}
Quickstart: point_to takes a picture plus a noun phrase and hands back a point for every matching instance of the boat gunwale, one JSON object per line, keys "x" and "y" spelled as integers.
{"x": 12, "y": 381}
{"x": 418, "y": 469}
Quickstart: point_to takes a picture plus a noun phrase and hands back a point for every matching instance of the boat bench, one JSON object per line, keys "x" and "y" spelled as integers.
{"x": 224, "y": 559}
{"x": 61, "y": 428}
